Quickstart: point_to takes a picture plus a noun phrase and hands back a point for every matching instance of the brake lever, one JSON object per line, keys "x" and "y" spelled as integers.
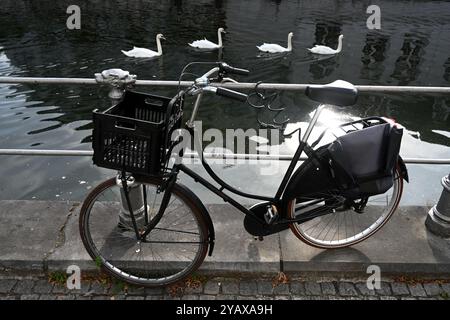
{"x": 224, "y": 80}
{"x": 193, "y": 91}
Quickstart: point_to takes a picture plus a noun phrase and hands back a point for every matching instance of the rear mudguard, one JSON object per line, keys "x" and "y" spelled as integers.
{"x": 205, "y": 214}
{"x": 403, "y": 170}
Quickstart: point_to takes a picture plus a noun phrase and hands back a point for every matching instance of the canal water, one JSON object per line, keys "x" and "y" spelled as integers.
{"x": 411, "y": 48}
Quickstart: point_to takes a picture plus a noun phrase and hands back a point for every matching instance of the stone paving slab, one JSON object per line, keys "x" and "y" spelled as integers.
{"x": 36, "y": 235}
{"x": 235, "y": 249}
{"x": 29, "y": 230}
{"x": 71, "y": 251}
{"x": 403, "y": 245}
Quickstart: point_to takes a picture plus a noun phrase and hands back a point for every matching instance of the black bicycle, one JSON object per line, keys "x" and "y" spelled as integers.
{"x": 146, "y": 228}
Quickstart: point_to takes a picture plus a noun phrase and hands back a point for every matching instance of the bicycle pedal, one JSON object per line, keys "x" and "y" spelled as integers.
{"x": 271, "y": 215}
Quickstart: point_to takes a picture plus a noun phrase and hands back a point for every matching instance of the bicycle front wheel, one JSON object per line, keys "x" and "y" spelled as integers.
{"x": 174, "y": 249}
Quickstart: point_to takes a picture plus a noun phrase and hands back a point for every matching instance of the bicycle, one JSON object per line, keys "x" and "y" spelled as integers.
{"x": 146, "y": 228}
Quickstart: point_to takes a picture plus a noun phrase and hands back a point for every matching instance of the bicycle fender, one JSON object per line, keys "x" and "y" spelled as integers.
{"x": 199, "y": 204}
{"x": 403, "y": 170}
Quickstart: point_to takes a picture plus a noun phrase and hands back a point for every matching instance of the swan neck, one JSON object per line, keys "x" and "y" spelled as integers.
{"x": 219, "y": 36}
{"x": 289, "y": 45}
{"x": 339, "y": 48}
{"x": 158, "y": 45}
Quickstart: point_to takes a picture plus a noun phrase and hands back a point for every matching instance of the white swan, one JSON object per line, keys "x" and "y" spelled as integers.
{"x": 206, "y": 44}
{"x": 276, "y": 48}
{"x": 327, "y": 50}
{"x": 146, "y": 53}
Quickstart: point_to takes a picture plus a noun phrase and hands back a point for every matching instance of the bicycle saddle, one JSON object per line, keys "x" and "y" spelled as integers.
{"x": 339, "y": 93}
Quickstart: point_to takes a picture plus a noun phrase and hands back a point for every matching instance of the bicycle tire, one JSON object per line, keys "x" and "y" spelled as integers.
{"x": 295, "y": 228}
{"x": 93, "y": 250}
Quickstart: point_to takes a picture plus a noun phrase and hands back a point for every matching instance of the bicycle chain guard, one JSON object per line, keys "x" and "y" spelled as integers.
{"x": 261, "y": 229}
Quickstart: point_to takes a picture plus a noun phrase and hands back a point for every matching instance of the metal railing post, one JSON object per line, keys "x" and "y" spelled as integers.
{"x": 438, "y": 219}
{"x": 119, "y": 80}
{"x": 135, "y": 195}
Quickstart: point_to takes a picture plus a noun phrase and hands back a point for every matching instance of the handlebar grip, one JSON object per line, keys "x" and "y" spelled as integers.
{"x": 231, "y": 94}
{"x": 229, "y": 69}
{"x": 242, "y": 72}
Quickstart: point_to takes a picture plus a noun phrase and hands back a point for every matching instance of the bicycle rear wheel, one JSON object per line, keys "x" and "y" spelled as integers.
{"x": 344, "y": 226}
{"x": 174, "y": 249}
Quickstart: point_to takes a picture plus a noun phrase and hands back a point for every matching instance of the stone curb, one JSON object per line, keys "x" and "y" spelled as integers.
{"x": 43, "y": 236}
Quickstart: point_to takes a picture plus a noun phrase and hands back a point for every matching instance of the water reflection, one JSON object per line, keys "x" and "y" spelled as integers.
{"x": 324, "y": 67}
{"x": 447, "y": 70}
{"x": 373, "y": 56}
{"x": 441, "y": 109}
{"x": 407, "y": 65}
{"x": 327, "y": 33}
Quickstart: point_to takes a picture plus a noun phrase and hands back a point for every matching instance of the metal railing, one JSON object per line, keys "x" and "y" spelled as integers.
{"x": 241, "y": 85}
{"x": 208, "y": 155}
{"x": 118, "y": 80}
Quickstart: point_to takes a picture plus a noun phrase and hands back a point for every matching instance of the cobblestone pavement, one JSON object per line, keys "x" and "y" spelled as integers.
{"x": 219, "y": 288}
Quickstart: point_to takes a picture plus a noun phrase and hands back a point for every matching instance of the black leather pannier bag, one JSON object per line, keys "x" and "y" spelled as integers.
{"x": 363, "y": 161}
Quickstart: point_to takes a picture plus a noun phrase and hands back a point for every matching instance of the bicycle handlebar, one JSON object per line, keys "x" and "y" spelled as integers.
{"x": 202, "y": 84}
{"x": 231, "y": 94}
{"x": 229, "y": 69}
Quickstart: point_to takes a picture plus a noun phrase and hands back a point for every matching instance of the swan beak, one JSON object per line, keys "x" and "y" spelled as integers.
{"x": 163, "y": 38}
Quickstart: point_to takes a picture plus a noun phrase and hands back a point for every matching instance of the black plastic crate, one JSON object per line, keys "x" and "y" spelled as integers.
{"x": 134, "y": 135}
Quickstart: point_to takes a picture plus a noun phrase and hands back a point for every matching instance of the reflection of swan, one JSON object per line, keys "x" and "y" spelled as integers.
{"x": 276, "y": 48}
{"x": 206, "y": 44}
{"x": 327, "y": 50}
{"x": 146, "y": 53}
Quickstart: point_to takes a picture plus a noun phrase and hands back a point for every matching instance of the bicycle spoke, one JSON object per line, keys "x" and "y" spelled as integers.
{"x": 180, "y": 231}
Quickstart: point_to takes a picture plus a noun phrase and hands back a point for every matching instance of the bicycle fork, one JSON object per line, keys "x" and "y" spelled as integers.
{"x": 166, "y": 187}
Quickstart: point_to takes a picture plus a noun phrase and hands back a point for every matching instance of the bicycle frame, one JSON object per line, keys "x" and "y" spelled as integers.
{"x": 200, "y": 86}
{"x": 277, "y": 199}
